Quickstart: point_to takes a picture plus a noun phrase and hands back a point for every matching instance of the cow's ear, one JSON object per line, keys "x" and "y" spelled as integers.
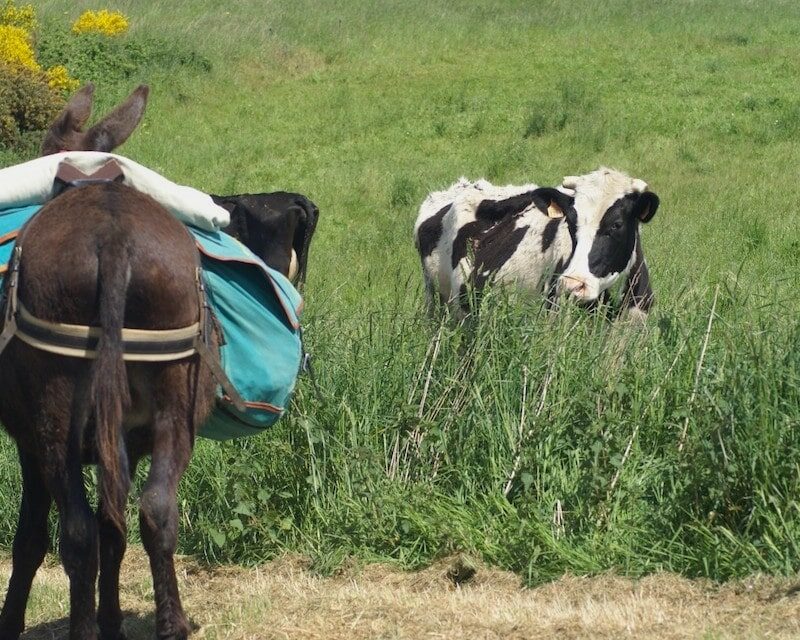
{"x": 552, "y": 202}
{"x": 646, "y": 206}
{"x": 570, "y": 182}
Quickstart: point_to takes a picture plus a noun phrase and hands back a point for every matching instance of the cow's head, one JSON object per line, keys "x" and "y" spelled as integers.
{"x": 608, "y": 208}
{"x": 277, "y": 227}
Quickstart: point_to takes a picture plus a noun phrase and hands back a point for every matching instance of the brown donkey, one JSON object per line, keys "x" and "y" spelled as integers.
{"x": 102, "y": 255}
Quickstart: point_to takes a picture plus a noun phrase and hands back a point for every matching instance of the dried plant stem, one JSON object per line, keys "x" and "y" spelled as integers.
{"x": 523, "y": 435}
{"x": 437, "y": 345}
{"x": 682, "y": 440}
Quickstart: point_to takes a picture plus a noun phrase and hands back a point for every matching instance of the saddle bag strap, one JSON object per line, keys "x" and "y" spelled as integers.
{"x": 10, "y": 301}
{"x": 203, "y": 348}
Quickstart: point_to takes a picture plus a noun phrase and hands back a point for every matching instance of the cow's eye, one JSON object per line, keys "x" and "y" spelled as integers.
{"x": 615, "y": 226}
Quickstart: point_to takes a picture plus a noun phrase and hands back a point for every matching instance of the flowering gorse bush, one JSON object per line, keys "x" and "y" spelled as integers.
{"x": 16, "y": 49}
{"x": 23, "y": 16}
{"x": 30, "y": 96}
{"x": 108, "y": 23}
{"x": 58, "y": 79}
{"x": 17, "y": 25}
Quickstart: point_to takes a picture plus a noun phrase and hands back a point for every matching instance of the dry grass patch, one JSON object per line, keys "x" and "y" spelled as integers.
{"x": 284, "y": 599}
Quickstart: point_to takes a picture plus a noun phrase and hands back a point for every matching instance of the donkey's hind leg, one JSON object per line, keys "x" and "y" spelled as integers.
{"x": 113, "y": 542}
{"x": 30, "y": 547}
{"x": 173, "y": 438}
{"x": 78, "y": 540}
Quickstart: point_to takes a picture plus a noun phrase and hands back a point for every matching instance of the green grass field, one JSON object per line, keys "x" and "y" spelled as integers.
{"x": 546, "y": 443}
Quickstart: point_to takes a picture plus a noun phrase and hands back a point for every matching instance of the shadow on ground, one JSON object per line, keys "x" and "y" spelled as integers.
{"x": 135, "y": 626}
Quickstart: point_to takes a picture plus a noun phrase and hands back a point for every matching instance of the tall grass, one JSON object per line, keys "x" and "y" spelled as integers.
{"x": 542, "y": 442}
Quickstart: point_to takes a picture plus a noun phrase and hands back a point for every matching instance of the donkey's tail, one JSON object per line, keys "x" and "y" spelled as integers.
{"x": 109, "y": 388}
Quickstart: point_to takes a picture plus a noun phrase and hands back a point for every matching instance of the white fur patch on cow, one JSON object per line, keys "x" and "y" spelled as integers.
{"x": 530, "y": 267}
{"x": 461, "y": 213}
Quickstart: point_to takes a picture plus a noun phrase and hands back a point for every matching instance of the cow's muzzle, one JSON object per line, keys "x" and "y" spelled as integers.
{"x": 578, "y": 288}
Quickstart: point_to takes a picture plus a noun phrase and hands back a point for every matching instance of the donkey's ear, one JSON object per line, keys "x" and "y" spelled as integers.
{"x": 71, "y": 120}
{"x": 79, "y": 108}
{"x": 118, "y": 125}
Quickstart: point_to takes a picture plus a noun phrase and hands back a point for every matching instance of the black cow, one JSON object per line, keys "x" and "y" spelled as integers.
{"x": 276, "y": 226}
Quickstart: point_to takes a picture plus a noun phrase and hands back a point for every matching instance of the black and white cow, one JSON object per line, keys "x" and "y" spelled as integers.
{"x": 579, "y": 239}
{"x": 277, "y": 226}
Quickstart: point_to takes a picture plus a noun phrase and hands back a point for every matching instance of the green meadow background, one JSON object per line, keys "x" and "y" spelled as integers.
{"x": 544, "y": 443}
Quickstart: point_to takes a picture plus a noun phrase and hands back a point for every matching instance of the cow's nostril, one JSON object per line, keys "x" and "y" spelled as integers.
{"x": 574, "y": 286}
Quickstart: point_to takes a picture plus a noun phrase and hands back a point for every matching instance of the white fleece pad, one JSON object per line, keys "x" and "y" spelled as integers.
{"x": 32, "y": 183}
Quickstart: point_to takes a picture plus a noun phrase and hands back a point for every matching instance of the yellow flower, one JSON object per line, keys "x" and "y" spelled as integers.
{"x": 23, "y": 16}
{"x": 16, "y": 49}
{"x": 59, "y": 80}
{"x": 109, "y": 23}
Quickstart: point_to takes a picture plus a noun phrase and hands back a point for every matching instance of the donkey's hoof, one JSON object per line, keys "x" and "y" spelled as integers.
{"x": 180, "y": 632}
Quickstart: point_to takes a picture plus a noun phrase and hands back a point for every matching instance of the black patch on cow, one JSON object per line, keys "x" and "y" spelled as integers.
{"x": 637, "y": 291}
{"x": 549, "y": 233}
{"x": 616, "y": 236}
{"x": 615, "y": 239}
{"x": 495, "y": 247}
{"x": 464, "y": 298}
{"x": 552, "y": 286}
{"x": 542, "y": 197}
{"x": 495, "y": 210}
{"x": 599, "y": 304}
{"x": 572, "y": 227}
{"x": 430, "y": 232}
{"x": 500, "y": 216}
{"x": 646, "y": 206}
{"x": 237, "y": 227}
{"x": 463, "y": 237}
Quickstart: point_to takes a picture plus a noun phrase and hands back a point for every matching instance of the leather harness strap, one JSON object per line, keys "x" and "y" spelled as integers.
{"x": 68, "y": 176}
{"x": 10, "y": 300}
{"x": 81, "y": 341}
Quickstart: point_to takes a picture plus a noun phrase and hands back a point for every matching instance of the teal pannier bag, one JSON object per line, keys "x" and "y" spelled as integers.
{"x": 11, "y": 221}
{"x": 258, "y": 311}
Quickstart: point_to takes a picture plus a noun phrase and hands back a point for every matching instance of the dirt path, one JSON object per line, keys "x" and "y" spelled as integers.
{"x": 284, "y": 600}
